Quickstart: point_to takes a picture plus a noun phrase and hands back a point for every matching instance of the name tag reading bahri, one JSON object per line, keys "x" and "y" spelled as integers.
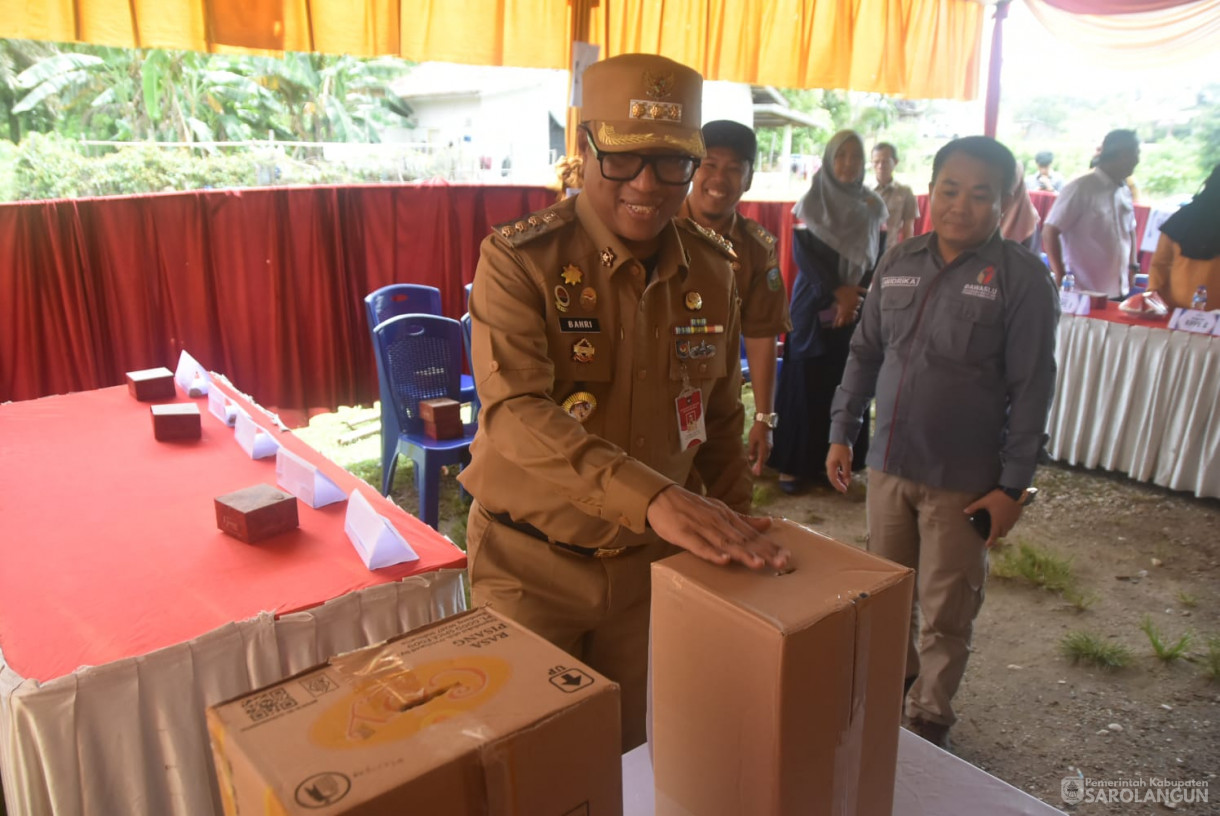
{"x": 579, "y": 325}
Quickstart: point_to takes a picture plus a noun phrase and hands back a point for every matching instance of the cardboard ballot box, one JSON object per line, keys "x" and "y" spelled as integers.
{"x": 470, "y": 715}
{"x": 775, "y": 695}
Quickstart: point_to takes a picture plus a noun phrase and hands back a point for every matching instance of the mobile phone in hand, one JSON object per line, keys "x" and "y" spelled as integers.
{"x": 980, "y": 520}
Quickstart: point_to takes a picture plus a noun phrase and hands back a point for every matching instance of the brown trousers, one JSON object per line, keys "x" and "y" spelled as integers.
{"x": 924, "y": 528}
{"x": 595, "y": 609}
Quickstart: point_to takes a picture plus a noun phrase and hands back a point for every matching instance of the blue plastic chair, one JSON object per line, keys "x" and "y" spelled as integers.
{"x": 399, "y": 299}
{"x": 419, "y": 357}
{"x": 475, "y": 403}
{"x": 409, "y": 298}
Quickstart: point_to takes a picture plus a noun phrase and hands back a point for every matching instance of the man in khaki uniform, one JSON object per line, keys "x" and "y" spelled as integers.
{"x": 605, "y": 347}
{"x": 723, "y": 177}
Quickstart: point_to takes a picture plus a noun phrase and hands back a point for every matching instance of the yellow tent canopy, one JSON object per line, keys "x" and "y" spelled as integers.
{"x": 912, "y": 48}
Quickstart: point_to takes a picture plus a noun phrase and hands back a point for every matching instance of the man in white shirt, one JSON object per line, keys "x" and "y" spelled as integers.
{"x": 1091, "y": 228}
{"x": 898, "y": 198}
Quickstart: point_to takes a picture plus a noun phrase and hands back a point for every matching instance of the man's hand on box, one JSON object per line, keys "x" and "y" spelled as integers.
{"x": 713, "y": 531}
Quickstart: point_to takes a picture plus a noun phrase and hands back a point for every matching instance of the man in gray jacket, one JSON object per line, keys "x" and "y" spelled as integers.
{"x": 957, "y": 344}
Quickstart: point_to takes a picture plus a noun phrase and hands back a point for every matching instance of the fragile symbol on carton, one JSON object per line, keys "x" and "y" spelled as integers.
{"x": 317, "y": 686}
{"x": 322, "y": 789}
{"x": 569, "y": 680}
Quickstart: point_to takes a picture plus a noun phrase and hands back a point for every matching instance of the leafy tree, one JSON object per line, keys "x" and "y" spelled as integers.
{"x": 1207, "y": 129}
{"x": 93, "y": 92}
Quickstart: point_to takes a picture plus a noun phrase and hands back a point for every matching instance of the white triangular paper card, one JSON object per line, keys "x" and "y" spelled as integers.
{"x": 256, "y": 442}
{"x": 305, "y": 481}
{"x": 220, "y": 407}
{"x": 192, "y": 377}
{"x": 378, "y": 542}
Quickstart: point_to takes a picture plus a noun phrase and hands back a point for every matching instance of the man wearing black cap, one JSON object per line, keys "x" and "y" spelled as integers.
{"x": 605, "y": 351}
{"x": 723, "y": 177}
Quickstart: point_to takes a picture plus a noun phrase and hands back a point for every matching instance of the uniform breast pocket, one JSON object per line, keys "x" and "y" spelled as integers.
{"x": 969, "y": 331}
{"x": 894, "y": 301}
{"x": 701, "y": 358}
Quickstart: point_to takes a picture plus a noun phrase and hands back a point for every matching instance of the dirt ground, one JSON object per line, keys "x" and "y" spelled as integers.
{"x": 1028, "y": 715}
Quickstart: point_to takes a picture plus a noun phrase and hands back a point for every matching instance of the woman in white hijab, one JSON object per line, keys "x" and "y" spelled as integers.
{"x": 835, "y": 248}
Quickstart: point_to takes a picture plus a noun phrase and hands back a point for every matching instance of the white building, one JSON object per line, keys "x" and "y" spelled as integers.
{"x": 486, "y": 123}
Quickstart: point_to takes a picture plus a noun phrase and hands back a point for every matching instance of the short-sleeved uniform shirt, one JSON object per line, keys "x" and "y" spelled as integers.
{"x": 764, "y": 298}
{"x": 1096, "y": 216}
{"x": 562, "y": 312}
{"x": 902, "y": 207}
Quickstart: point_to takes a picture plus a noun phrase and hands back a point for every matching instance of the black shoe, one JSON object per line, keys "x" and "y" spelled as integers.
{"x": 793, "y": 487}
{"x": 935, "y": 733}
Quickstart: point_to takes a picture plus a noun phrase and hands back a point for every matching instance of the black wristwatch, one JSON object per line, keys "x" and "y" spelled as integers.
{"x": 1019, "y": 495}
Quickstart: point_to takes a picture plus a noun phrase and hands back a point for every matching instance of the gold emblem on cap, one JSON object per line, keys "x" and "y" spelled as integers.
{"x": 608, "y": 257}
{"x": 580, "y": 405}
{"x": 588, "y": 298}
{"x": 520, "y": 226}
{"x": 658, "y": 86}
{"x": 507, "y": 232}
{"x": 583, "y": 351}
{"x": 694, "y": 301}
{"x": 572, "y": 275}
{"x": 562, "y": 299}
{"x": 659, "y": 111}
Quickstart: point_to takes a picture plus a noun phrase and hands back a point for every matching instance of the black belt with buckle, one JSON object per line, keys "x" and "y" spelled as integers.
{"x": 533, "y": 532}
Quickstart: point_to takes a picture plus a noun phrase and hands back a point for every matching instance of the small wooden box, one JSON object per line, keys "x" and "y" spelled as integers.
{"x": 151, "y": 384}
{"x": 176, "y": 420}
{"x": 256, "y": 512}
{"x": 441, "y": 411}
{"x": 443, "y": 430}
{"x": 1097, "y": 301}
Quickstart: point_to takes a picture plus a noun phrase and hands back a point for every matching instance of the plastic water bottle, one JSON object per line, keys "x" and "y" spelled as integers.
{"x": 1199, "y": 301}
{"x": 1069, "y": 281}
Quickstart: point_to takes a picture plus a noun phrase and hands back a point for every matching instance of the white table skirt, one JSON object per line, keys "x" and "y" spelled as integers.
{"x": 927, "y": 782}
{"x": 1138, "y": 400}
{"x": 130, "y": 737}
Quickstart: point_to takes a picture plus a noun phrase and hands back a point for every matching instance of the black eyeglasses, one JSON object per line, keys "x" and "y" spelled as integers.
{"x": 669, "y": 168}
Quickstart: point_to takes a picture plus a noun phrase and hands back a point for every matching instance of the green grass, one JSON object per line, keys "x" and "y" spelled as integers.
{"x": 1166, "y": 651}
{"x": 1211, "y": 660}
{"x": 1039, "y": 567}
{"x": 1187, "y": 599}
{"x": 764, "y": 494}
{"x": 1086, "y": 647}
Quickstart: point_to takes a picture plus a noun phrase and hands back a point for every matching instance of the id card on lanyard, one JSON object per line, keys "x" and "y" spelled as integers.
{"x": 691, "y": 426}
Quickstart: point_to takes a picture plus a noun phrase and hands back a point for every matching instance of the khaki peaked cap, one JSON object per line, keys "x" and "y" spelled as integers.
{"x": 639, "y": 101}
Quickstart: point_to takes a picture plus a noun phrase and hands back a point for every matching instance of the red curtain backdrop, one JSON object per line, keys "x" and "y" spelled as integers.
{"x": 263, "y": 285}
{"x": 266, "y": 286}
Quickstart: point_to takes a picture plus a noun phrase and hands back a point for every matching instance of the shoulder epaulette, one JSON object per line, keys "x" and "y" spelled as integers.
{"x": 531, "y": 226}
{"x": 711, "y": 236}
{"x": 760, "y": 233}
